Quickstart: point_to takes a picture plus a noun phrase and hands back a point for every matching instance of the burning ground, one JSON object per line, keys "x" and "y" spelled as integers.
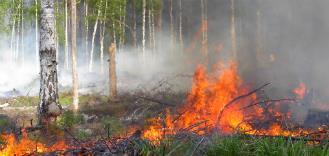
{"x": 219, "y": 111}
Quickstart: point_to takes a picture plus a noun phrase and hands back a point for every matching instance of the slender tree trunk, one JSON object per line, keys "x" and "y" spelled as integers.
{"x": 204, "y": 20}
{"x": 172, "y": 36}
{"x": 112, "y": 73}
{"x": 153, "y": 28}
{"x": 49, "y": 106}
{"x": 12, "y": 42}
{"x": 36, "y": 32}
{"x": 75, "y": 81}
{"x": 149, "y": 25}
{"x": 134, "y": 25}
{"x": 87, "y": 31}
{"x": 22, "y": 34}
{"x": 181, "y": 42}
{"x": 102, "y": 36}
{"x": 143, "y": 29}
{"x": 159, "y": 26}
{"x": 56, "y": 31}
{"x": 18, "y": 32}
{"x": 93, "y": 42}
{"x": 66, "y": 48}
{"x": 233, "y": 31}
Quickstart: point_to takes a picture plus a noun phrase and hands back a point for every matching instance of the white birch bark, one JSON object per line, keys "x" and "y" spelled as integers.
{"x": 36, "y": 33}
{"x": 66, "y": 44}
{"x": 49, "y": 106}
{"x": 75, "y": 81}
{"x": 91, "y": 60}
{"x": 143, "y": 29}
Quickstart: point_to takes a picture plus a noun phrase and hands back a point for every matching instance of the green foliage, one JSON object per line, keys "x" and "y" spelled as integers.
{"x": 113, "y": 126}
{"x": 237, "y": 145}
{"x": 4, "y": 123}
{"x": 69, "y": 119}
{"x": 25, "y": 101}
{"x": 82, "y": 135}
{"x": 228, "y": 146}
{"x": 65, "y": 98}
{"x": 168, "y": 146}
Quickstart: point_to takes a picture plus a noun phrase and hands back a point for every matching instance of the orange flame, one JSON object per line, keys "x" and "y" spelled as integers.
{"x": 27, "y": 146}
{"x": 207, "y": 108}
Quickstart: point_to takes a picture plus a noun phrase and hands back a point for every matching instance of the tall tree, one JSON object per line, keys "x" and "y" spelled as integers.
{"x": 75, "y": 82}
{"x": 91, "y": 59}
{"x": 134, "y": 25}
{"x": 66, "y": 45}
{"x": 102, "y": 36}
{"x": 233, "y": 31}
{"x": 49, "y": 105}
{"x": 181, "y": 42}
{"x": 36, "y": 31}
{"x": 86, "y": 30}
{"x": 143, "y": 29}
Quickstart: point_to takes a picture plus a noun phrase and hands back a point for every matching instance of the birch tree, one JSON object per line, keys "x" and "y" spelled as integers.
{"x": 66, "y": 44}
{"x": 143, "y": 28}
{"x": 75, "y": 81}
{"x": 48, "y": 105}
{"x": 91, "y": 59}
{"x": 36, "y": 31}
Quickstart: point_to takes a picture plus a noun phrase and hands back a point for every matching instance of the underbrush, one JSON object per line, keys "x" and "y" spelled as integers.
{"x": 233, "y": 146}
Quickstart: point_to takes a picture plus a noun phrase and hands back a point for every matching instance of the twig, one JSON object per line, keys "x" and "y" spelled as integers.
{"x": 266, "y": 101}
{"x": 237, "y": 99}
{"x": 156, "y": 101}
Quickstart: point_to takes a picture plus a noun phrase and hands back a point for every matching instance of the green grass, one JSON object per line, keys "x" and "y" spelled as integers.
{"x": 232, "y": 146}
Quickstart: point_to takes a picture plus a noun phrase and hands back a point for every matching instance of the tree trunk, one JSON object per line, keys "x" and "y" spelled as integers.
{"x": 153, "y": 27}
{"x": 36, "y": 32}
{"x": 75, "y": 81}
{"x": 22, "y": 34}
{"x": 181, "y": 42}
{"x": 49, "y": 106}
{"x": 87, "y": 32}
{"x": 172, "y": 36}
{"x": 233, "y": 32}
{"x": 93, "y": 42}
{"x": 66, "y": 48}
{"x": 18, "y": 32}
{"x": 13, "y": 31}
{"x": 102, "y": 36}
{"x": 204, "y": 19}
{"x": 134, "y": 25}
{"x": 112, "y": 73}
{"x": 143, "y": 29}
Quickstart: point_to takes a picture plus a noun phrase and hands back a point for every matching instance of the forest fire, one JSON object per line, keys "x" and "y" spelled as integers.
{"x": 220, "y": 101}
{"x": 25, "y": 146}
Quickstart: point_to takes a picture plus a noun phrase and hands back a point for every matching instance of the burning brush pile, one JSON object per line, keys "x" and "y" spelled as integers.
{"x": 218, "y": 103}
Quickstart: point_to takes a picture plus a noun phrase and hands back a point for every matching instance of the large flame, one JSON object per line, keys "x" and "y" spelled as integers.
{"x": 207, "y": 108}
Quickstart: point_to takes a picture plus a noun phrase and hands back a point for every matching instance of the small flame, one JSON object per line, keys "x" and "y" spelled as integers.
{"x": 300, "y": 91}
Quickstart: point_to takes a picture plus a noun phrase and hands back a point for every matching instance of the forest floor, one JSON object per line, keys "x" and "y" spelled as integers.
{"x": 99, "y": 118}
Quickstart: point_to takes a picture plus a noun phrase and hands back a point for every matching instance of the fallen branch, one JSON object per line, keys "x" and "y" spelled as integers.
{"x": 237, "y": 99}
{"x": 266, "y": 101}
